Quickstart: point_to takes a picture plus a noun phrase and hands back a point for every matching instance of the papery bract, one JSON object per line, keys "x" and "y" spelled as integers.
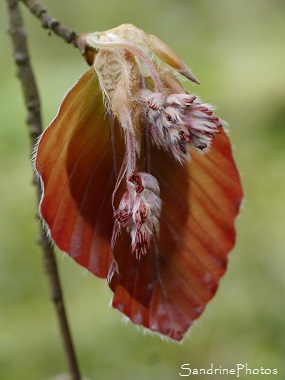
{"x": 126, "y": 191}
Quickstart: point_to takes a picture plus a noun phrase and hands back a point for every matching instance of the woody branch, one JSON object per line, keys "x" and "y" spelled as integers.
{"x": 32, "y": 102}
{"x": 49, "y": 22}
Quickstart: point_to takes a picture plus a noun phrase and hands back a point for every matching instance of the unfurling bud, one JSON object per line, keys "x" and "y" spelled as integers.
{"x": 139, "y": 211}
{"x": 146, "y": 100}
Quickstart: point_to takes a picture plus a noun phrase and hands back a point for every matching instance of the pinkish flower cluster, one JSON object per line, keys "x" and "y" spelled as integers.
{"x": 139, "y": 211}
{"x": 179, "y": 121}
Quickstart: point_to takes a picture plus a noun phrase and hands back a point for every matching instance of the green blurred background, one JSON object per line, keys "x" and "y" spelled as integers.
{"x": 237, "y": 50}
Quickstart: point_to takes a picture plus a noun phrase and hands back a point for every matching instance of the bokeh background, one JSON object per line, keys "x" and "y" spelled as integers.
{"x": 237, "y": 50}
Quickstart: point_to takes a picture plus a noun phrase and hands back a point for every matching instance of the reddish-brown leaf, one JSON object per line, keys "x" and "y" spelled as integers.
{"x": 167, "y": 289}
{"x": 77, "y": 167}
{"x": 78, "y": 158}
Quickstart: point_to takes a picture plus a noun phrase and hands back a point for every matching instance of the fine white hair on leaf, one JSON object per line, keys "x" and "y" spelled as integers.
{"x": 152, "y": 333}
{"x": 38, "y": 178}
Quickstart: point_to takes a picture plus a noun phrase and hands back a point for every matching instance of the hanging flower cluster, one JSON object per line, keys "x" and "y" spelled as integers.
{"x": 139, "y": 211}
{"x": 179, "y": 121}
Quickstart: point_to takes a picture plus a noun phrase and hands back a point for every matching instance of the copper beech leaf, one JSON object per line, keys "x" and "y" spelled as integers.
{"x": 76, "y": 165}
{"x": 167, "y": 289}
{"x": 78, "y": 159}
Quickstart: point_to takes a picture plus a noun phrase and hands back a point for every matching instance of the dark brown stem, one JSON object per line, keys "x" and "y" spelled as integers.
{"x": 50, "y": 22}
{"x": 31, "y": 97}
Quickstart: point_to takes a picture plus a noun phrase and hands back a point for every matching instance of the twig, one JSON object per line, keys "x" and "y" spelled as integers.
{"x": 31, "y": 97}
{"x": 50, "y": 22}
